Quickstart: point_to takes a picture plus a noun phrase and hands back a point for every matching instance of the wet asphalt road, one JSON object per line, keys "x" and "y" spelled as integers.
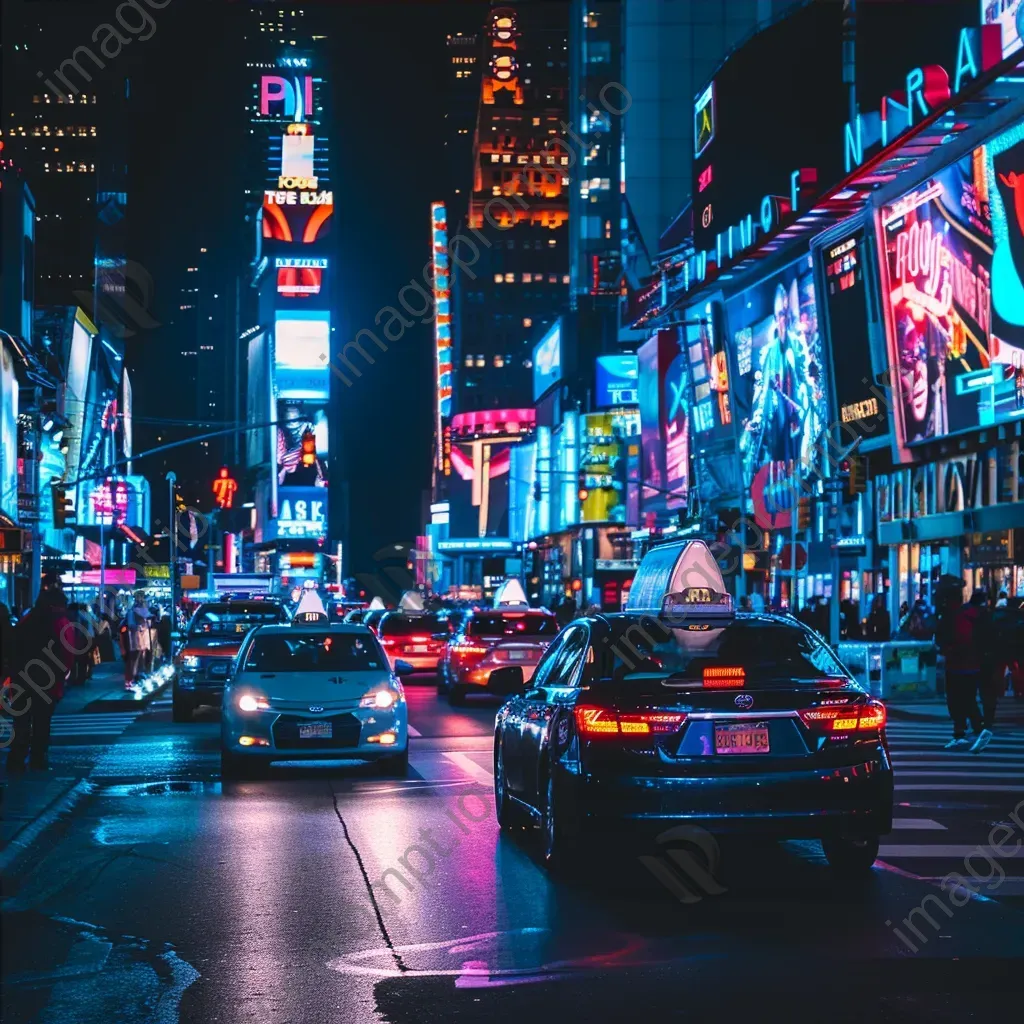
{"x": 333, "y": 894}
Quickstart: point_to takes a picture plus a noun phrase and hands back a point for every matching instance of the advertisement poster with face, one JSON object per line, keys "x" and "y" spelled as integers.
{"x": 478, "y": 489}
{"x": 954, "y": 292}
{"x": 779, "y": 388}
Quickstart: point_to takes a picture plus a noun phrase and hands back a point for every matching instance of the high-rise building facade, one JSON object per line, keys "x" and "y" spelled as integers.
{"x": 514, "y": 271}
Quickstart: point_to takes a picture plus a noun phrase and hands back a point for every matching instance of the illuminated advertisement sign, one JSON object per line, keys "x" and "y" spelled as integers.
{"x": 299, "y": 276}
{"x": 442, "y": 322}
{"x": 845, "y": 303}
{"x": 778, "y": 383}
{"x": 1009, "y": 15}
{"x": 302, "y": 443}
{"x": 8, "y": 432}
{"x": 116, "y": 503}
{"x": 616, "y": 380}
{"x": 302, "y": 513}
{"x": 652, "y": 465}
{"x": 954, "y": 295}
{"x": 302, "y": 354}
{"x": 603, "y": 437}
{"x": 711, "y": 411}
{"x": 290, "y": 98}
{"x": 675, "y": 428}
{"x": 547, "y": 361}
{"x": 478, "y": 489}
{"x": 704, "y": 120}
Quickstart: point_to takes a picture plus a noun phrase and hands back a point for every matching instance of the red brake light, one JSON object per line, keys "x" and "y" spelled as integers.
{"x": 848, "y": 718}
{"x": 465, "y": 650}
{"x": 387, "y": 641}
{"x": 592, "y": 721}
{"x": 724, "y": 677}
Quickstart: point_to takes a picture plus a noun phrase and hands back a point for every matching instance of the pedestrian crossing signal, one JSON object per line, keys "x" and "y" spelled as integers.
{"x": 308, "y": 448}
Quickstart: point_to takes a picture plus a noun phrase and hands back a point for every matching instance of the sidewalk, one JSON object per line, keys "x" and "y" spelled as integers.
{"x": 1009, "y": 711}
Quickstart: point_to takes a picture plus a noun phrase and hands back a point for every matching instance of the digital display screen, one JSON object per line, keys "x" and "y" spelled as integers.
{"x": 954, "y": 295}
{"x": 616, "y": 380}
{"x": 301, "y": 513}
{"x": 778, "y": 374}
{"x": 478, "y": 489}
{"x": 711, "y": 411}
{"x": 652, "y": 464}
{"x": 302, "y": 353}
{"x": 859, "y": 409}
{"x": 547, "y": 361}
{"x": 301, "y": 421}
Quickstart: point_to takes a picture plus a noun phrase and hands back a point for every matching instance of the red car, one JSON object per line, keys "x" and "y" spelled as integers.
{"x": 419, "y": 638}
{"x": 490, "y": 640}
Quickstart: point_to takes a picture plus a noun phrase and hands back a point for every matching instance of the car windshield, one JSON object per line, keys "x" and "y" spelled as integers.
{"x": 413, "y": 625}
{"x": 765, "y": 651}
{"x": 314, "y": 652}
{"x": 512, "y": 624}
{"x": 223, "y": 620}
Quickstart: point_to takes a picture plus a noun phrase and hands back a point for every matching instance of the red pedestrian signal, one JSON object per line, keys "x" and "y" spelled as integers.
{"x": 224, "y": 488}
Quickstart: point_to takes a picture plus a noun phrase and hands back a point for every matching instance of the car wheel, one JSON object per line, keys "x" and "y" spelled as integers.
{"x": 850, "y": 858}
{"x": 182, "y": 709}
{"x": 457, "y": 696}
{"x": 442, "y": 680}
{"x": 234, "y": 766}
{"x": 396, "y": 765}
{"x": 504, "y": 809}
{"x": 558, "y": 840}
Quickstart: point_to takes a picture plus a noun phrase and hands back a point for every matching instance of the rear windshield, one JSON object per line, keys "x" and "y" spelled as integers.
{"x": 403, "y": 625}
{"x": 767, "y": 652}
{"x": 512, "y": 624}
{"x": 313, "y": 652}
{"x": 228, "y": 620}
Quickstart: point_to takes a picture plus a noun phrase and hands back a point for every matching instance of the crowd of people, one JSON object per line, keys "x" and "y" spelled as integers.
{"x": 75, "y": 637}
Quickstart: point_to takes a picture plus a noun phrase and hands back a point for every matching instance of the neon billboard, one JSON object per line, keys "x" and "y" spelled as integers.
{"x": 442, "y": 321}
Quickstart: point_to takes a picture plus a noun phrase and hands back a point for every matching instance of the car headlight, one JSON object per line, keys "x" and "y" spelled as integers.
{"x": 380, "y": 699}
{"x": 253, "y": 702}
{"x": 190, "y": 661}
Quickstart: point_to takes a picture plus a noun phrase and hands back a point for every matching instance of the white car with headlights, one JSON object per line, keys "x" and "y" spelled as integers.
{"x": 314, "y": 692}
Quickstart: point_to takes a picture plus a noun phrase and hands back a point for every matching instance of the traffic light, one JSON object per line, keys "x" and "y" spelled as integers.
{"x": 858, "y": 479}
{"x": 583, "y": 492}
{"x": 63, "y": 508}
{"x": 308, "y": 448}
{"x": 803, "y": 514}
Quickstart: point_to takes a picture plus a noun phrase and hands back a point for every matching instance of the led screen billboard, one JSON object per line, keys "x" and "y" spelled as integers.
{"x": 478, "y": 489}
{"x": 652, "y": 462}
{"x": 302, "y": 446}
{"x": 547, "y": 361}
{"x": 778, "y": 382}
{"x": 954, "y": 295}
{"x": 675, "y": 426}
{"x": 845, "y": 307}
{"x": 616, "y": 381}
{"x": 301, "y": 513}
{"x": 301, "y": 354}
{"x": 710, "y": 409}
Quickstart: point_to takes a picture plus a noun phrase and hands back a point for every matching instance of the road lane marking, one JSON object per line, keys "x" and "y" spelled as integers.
{"x": 958, "y": 788}
{"x": 413, "y": 731}
{"x": 469, "y": 766}
{"x": 917, "y": 824}
{"x": 949, "y": 774}
{"x": 943, "y": 850}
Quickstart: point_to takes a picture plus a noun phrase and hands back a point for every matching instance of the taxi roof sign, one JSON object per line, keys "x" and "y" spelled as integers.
{"x": 411, "y": 601}
{"x": 376, "y": 605}
{"x": 310, "y": 610}
{"x": 680, "y": 573}
{"x": 511, "y": 595}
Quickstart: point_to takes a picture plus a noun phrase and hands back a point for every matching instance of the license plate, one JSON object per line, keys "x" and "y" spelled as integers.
{"x": 518, "y": 655}
{"x": 417, "y": 649}
{"x": 316, "y": 731}
{"x": 741, "y": 739}
{"x": 219, "y": 668}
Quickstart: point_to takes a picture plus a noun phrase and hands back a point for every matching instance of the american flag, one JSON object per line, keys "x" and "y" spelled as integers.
{"x": 288, "y": 459}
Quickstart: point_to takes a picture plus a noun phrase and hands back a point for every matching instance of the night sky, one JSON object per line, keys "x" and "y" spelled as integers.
{"x": 186, "y": 179}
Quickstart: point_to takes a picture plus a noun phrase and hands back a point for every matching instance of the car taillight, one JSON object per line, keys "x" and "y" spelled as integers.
{"x": 468, "y": 650}
{"x": 593, "y": 721}
{"x": 417, "y": 639}
{"x": 724, "y": 677}
{"x": 851, "y": 718}
{"x": 387, "y": 641}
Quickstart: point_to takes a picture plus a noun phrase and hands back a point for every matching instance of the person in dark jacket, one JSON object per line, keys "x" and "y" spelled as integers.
{"x": 966, "y": 657}
{"x": 879, "y": 624}
{"x": 44, "y": 651}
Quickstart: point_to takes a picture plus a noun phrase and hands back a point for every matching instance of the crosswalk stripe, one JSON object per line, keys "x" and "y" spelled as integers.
{"x": 917, "y": 824}
{"x": 469, "y": 766}
{"x": 957, "y": 775}
{"x": 959, "y": 788}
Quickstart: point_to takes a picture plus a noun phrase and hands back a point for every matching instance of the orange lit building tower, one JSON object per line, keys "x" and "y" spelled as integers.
{"x": 513, "y": 273}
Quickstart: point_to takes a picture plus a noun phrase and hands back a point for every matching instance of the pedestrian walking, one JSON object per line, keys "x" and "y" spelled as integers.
{"x": 965, "y": 659}
{"x": 878, "y": 627}
{"x": 44, "y": 642}
{"x": 135, "y": 630}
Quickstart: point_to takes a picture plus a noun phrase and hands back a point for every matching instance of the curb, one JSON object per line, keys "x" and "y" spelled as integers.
{"x": 23, "y": 839}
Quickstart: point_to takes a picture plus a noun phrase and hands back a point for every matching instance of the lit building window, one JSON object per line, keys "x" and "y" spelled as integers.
{"x": 565, "y": 279}
{"x": 552, "y": 242}
{"x": 510, "y": 278}
{"x": 506, "y": 158}
{"x": 499, "y": 361}
{"x": 527, "y": 278}
{"x": 527, "y": 321}
{"x": 469, "y": 361}
{"x": 498, "y": 278}
{"x": 528, "y": 363}
{"x": 481, "y": 362}
{"x": 494, "y": 158}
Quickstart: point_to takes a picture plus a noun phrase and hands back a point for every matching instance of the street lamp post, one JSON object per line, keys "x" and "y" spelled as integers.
{"x": 172, "y": 543}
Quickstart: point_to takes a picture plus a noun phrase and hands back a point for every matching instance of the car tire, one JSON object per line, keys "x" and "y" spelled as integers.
{"x": 504, "y": 808}
{"x": 397, "y": 765}
{"x": 457, "y": 696}
{"x": 442, "y": 680}
{"x": 234, "y": 766}
{"x": 558, "y": 840}
{"x": 850, "y": 858}
{"x": 182, "y": 709}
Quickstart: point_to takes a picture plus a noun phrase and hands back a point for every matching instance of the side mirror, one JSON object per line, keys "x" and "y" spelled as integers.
{"x": 403, "y": 668}
{"x": 507, "y": 682}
